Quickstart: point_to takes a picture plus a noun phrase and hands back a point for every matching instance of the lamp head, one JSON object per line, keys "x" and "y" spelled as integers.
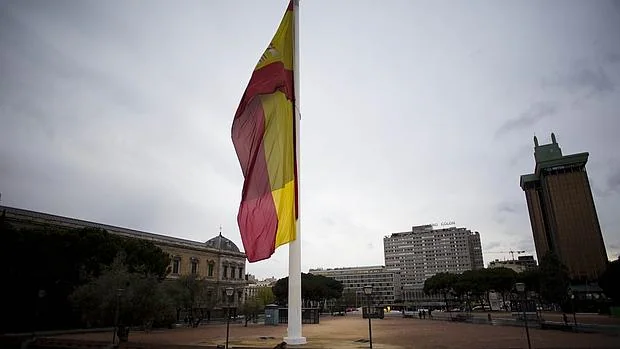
{"x": 229, "y": 291}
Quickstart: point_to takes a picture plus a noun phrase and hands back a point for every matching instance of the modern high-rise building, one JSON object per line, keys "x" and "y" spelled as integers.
{"x": 424, "y": 252}
{"x": 382, "y": 279}
{"x": 562, "y": 212}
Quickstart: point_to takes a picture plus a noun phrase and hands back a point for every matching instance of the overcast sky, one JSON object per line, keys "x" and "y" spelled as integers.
{"x": 412, "y": 112}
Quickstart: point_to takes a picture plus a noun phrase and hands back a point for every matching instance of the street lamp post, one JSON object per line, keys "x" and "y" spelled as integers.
{"x": 368, "y": 292}
{"x": 571, "y": 295}
{"x": 520, "y": 287}
{"x": 119, "y": 293}
{"x": 40, "y": 296}
{"x": 229, "y": 293}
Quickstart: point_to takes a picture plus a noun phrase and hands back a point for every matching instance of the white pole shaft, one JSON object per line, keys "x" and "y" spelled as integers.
{"x": 294, "y": 335}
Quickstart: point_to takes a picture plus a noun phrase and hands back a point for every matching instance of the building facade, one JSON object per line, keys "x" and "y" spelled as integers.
{"x": 354, "y": 279}
{"x": 425, "y": 251}
{"x": 217, "y": 261}
{"x": 252, "y": 289}
{"x": 523, "y": 263}
{"x": 562, "y": 212}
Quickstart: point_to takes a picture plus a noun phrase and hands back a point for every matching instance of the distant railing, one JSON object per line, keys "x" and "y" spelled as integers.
{"x": 308, "y": 316}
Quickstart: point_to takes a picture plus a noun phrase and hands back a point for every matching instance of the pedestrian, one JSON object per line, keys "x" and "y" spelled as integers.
{"x": 565, "y": 319}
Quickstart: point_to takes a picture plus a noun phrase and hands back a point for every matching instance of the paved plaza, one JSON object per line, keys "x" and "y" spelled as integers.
{"x": 391, "y": 332}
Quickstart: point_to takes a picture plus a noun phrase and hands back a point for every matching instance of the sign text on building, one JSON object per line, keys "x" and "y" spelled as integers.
{"x": 443, "y": 224}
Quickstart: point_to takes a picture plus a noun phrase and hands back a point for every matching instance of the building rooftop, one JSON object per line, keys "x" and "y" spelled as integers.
{"x": 40, "y": 218}
{"x": 549, "y": 156}
{"x": 221, "y": 243}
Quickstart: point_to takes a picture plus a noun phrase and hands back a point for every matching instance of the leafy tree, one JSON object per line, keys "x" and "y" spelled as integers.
{"x": 280, "y": 291}
{"x": 139, "y": 298}
{"x": 554, "y": 279}
{"x": 57, "y": 261}
{"x": 442, "y": 284}
{"x": 193, "y": 295}
{"x": 250, "y": 309}
{"x": 313, "y": 287}
{"x": 501, "y": 280}
{"x": 265, "y": 296}
{"x": 609, "y": 281}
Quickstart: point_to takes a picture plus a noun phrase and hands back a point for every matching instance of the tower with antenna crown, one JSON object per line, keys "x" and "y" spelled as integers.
{"x": 562, "y": 212}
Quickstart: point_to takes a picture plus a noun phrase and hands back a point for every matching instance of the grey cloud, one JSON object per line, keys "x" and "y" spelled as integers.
{"x": 492, "y": 245}
{"x": 535, "y": 113}
{"x": 329, "y": 221}
{"x": 583, "y": 78}
{"x": 613, "y": 181}
{"x": 616, "y": 4}
{"x": 611, "y": 186}
{"x": 522, "y": 153}
{"x": 508, "y": 207}
{"x": 613, "y": 57}
{"x": 128, "y": 122}
{"x": 526, "y": 245}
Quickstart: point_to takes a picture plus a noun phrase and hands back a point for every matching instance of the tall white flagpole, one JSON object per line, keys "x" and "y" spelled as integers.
{"x": 294, "y": 335}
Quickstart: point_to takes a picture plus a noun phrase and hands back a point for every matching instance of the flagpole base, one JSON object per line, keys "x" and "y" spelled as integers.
{"x": 295, "y": 340}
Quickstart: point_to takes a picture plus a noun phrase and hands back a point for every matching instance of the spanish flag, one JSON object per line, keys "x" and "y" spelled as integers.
{"x": 263, "y": 133}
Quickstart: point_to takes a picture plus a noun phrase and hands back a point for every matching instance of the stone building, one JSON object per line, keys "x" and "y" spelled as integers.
{"x": 218, "y": 260}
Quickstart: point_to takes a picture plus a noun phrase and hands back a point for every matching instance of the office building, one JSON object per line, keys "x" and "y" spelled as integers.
{"x": 425, "y": 251}
{"x": 382, "y": 279}
{"x": 519, "y": 265}
{"x": 562, "y": 212}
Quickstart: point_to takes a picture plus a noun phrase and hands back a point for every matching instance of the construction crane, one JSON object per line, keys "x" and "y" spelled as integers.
{"x": 512, "y": 253}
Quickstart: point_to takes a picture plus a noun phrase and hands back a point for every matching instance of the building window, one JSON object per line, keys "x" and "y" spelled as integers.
{"x": 225, "y": 272}
{"x": 210, "y": 271}
{"x": 240, "y": 273}
{"x": 232, "y": 272}
{"x": 176, "y": 266}
{"x": 194, "y": 266}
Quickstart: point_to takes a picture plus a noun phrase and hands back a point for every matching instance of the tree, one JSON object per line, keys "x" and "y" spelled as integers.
{"x": 442, "y": 284}
{"x": 554, "y": 279}
{"x": 265, "y": 296}
{"x": 57, "y": 261}
{"x": 501, "y": 280}
{"x": 250, "y": 309}
{"x": 193, "y": 295}
{"x": 609, "y": 281}
{"x": 313, "y": 288}
{"x": 139, "y": 298}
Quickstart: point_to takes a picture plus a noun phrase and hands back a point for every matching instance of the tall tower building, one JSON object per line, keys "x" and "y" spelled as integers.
{"x": 562, "y": 212}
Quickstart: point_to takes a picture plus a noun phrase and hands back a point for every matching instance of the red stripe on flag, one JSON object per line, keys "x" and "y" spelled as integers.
{"x": 267, "y": 80}
{"x": 257, "y": 216}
